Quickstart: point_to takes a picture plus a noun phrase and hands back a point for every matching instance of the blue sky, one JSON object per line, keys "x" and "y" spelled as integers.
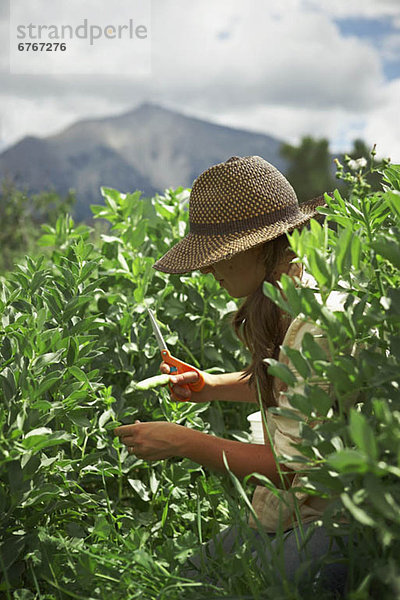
{"x": 375, "y": 31}
{"x": 289, "y": 69}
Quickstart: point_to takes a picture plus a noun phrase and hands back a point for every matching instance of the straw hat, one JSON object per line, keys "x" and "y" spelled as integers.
{"x": 234, "y": 206}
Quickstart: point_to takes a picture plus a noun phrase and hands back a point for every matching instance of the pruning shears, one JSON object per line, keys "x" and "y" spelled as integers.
{"x": 176, "y": 366}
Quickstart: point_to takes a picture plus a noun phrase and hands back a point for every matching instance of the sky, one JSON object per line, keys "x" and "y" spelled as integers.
{"x": 288, "y": 69}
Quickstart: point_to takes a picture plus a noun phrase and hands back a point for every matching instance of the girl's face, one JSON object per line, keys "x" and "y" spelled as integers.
{"x": 242, "y": 274}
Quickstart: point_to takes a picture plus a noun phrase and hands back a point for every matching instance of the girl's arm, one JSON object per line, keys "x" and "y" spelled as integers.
{"x": 158, "y": 440}
{"x": 230, "y": 388}
{"x": 241, "y": 457}
{"x": 226, "y": 387}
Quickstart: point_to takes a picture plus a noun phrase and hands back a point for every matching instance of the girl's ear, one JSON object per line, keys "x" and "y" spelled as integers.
{"x": 286, "y": 266}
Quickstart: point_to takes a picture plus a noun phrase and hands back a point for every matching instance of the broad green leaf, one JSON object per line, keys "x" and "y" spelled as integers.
{"x": 112, "y": 198}
{"x": 301, "y": 403}
{"x": 43, "y": 438}
{"x": 362, "y": 434}
{"x": 6, "y": 348}
{"x": 389, "y": 250}
{"x": 275, "y": 295}
{"x": 358, "y": 513}
{"x": 319, "y": 267}
{"x": 8, "y": 383}
{"x": 309, "y": 304}
{"x": 122, "y": 262}
{"x": 299, "y": 362}
{"x": 291, "y": 294}
{"x": 86, "y": 324}
{"x": 343, "y": 250}
{"x": 320, "y": 400}
{"x": 47, "y": 491}
{"x": 49, "y": 358}
{"x": 79, "y": 418}
{"x": 281, "y": 371}
{"x": 47, "y": 383}
{"x": 392, "y": 176}
{"x": 285, "y": 412}
{"x": 68, "y": 277}
{"x": 105, "y": 417}
{"x": 22, "y": 306}
{"x": 355, "y": 251}
{"x": 311, "y": 349}
{"x": 39, "y": 431}
{"x": 393, "y": 200}
{"x": 78, "y": 373}
{"x": 99, "y": 210}
{"x": 153, "y": 482}
{"x": 348, "y": 461}
{"x": 48, "y": 239}
{"x": 72, "y": 352}
{"x": 74, "y": 306}
{"x": 140, "y": 489}
{"x": 102, "y": 528}
{"x": 87, "y": 270}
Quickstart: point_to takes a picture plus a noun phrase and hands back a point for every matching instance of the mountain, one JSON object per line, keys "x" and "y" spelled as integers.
{"x": 149, "y": 148}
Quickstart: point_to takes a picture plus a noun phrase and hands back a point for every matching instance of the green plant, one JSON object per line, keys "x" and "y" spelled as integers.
{"x": 80, "y": 518}
{"x": 350, "y": 436}
{"x": 79, "y": 515}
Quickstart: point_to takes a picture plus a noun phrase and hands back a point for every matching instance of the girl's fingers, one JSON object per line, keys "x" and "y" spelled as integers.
{"x": 179, "y": 390}
{"x": 181, "y": 393}
{"x": 129, "y": 440}
{"x": 183, "y": 378}
{"x": 124, "y": 430}
{"x": 180, "y": 383}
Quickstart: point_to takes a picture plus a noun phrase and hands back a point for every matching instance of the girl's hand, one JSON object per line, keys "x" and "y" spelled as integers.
{"x": 185, "y": 394}
{"x": 154, "y": 440}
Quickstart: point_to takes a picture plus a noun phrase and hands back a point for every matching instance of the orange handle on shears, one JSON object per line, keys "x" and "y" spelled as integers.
{"x": 178, "y": 366}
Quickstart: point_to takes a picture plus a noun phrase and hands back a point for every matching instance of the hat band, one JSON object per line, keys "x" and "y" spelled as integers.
{"x": 270, "y": 218}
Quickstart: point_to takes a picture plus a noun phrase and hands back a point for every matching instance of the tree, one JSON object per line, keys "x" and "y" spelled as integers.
{"x": 311, "y": 169}
{"x": 21, "y": 215}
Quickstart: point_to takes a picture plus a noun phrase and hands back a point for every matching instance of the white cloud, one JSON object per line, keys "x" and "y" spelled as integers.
{"x": 383, "y": 125}
{"x": 379, "y": 126}
{"x": 356, "y": 8}
{"x": 291, "y": 123}
{"x": 45, "y": 116}
{"x": 391, "y": 48}
{"x": 295, "y": 57}
{"x": 284, "y": 69}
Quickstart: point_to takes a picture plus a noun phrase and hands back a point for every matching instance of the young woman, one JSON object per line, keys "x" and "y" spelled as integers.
{"x": 239, "y": 213}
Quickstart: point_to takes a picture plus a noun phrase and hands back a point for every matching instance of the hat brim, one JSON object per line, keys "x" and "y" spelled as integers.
{"x": 196, "y": 251}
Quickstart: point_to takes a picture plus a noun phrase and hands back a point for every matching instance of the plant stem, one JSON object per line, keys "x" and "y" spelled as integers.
{"x": 120, "y": 475}
{"x": 192, "y": 357}
{"x": 202, "y": 342}
{"x": 373, "y": 253}
{"x": 84, "y": 446}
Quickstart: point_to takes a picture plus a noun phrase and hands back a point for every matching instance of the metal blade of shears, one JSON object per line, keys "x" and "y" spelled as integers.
{"x": 160, "y": 340}
{"x": 175, "y": 365}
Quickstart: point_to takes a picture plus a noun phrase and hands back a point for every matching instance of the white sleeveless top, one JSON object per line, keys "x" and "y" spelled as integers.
{"x": 275, "y": 509}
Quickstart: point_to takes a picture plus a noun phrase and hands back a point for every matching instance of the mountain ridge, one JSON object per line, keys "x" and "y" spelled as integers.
{"x": 149, "y": 147}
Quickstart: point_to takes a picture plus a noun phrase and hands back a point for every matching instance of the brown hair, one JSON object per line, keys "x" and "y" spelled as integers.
{"x": 261, "y": 325}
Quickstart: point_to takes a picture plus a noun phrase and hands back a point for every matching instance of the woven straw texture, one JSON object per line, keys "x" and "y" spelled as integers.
{"x": 234, "y": 206}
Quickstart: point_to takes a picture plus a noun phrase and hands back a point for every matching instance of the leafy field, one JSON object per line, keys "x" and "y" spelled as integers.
{"x": 80, "y": 518}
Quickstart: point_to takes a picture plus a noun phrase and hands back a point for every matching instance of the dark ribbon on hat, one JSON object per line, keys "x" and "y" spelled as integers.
{"x": 288, "y": 213}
